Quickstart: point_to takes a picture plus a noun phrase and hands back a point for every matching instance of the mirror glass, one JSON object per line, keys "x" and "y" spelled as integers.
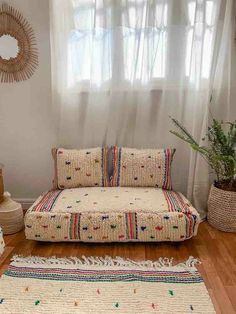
{"x": 8, "y": 47}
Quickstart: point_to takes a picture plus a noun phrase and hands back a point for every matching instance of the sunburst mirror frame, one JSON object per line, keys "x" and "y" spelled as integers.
{"x": 22, "y": 67}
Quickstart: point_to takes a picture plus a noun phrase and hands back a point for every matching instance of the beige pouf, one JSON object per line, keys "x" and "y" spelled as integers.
{"x": 11, "y": 215}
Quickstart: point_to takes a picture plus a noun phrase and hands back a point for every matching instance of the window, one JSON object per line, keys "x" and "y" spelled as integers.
{"x": 88, "y": 45}
{"x": 132, "y": 41}
{"x": 201, "y": 33}
{"x": 148, "y": 44}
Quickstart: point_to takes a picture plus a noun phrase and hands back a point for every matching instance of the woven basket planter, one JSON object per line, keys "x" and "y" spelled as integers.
{"x": 222, "y": 209}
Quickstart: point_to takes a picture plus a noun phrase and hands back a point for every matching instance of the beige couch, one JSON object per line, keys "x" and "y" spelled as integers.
{"x": 133, "y": 201}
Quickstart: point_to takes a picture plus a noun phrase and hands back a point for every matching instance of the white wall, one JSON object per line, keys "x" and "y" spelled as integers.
{"x": 26, "y": 122}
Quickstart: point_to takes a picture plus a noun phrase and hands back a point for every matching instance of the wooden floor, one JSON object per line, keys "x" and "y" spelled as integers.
{"x": 216, "y": 250}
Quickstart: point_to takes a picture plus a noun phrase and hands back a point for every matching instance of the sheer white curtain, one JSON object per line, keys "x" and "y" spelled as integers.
{"x": 120, "y": 68}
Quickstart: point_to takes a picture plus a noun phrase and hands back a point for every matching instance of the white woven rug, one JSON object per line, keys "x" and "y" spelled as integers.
{"x": 102, "y": 285}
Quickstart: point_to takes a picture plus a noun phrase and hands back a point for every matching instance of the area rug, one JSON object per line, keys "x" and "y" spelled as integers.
{"x": 102, "y": 285}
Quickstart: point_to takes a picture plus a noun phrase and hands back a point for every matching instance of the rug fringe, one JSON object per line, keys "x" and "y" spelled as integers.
{"x": 106, "y": 261}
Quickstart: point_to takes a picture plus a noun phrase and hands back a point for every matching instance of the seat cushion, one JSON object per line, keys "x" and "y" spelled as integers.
{"x": 111, "y": 214}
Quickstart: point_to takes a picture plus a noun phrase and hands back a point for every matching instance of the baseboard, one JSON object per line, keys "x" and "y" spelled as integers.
{"x": 25, "y": 202}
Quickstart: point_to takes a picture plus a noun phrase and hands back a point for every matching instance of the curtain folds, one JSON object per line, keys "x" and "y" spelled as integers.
{"x": 121, "y": 68}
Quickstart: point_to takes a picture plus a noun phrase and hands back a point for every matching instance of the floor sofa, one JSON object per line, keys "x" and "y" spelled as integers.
{"x": 112, "y": 195}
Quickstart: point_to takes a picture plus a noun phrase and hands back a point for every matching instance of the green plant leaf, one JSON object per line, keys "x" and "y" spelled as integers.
{"x": 220, "y": 153}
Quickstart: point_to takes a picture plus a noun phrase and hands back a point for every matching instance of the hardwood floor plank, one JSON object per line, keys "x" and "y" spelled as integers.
{"x": 231, "y": 292}
{"x": 220, "y": 293}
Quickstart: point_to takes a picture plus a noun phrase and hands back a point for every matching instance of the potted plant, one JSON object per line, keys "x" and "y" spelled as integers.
{"x": 220, "y": 154}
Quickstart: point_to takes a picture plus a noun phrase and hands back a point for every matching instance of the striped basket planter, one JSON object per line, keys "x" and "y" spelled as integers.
{"x": 222, "y": 209}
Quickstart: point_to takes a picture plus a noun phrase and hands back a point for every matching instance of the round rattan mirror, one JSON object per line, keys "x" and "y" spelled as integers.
{"x": 18, "y": 51}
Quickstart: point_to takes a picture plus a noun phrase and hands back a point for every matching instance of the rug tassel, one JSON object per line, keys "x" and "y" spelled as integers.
{"x": 106, "y": 261}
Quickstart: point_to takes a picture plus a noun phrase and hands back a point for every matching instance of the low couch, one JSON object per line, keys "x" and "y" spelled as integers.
{"x": 112, "y": 195}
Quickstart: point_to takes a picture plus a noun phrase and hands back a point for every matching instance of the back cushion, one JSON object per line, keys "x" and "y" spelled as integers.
{"x": 80, "y": 168}
{"x": 142, "y": 167}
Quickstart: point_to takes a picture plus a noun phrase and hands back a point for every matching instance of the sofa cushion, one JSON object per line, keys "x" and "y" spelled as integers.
{"x": 142, "y": 167}
{"x": 80, "y": 168}
{"x": 111, "y": 214}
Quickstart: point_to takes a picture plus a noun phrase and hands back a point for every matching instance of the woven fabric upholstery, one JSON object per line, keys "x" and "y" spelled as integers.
{"x": 142, "y": 167}
{"x": 2, "y": 244}
{"x": 80, "y": 168}
{"x": 111, "y": 214}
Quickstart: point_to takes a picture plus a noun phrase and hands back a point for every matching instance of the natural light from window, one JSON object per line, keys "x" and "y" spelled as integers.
{"x": 131, "y": 50}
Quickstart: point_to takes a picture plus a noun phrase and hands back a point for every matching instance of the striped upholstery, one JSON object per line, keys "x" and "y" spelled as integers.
{"x": 110, "y": 214}
{"x": 142, "y": 167}
{"x": 132, "y": 202}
